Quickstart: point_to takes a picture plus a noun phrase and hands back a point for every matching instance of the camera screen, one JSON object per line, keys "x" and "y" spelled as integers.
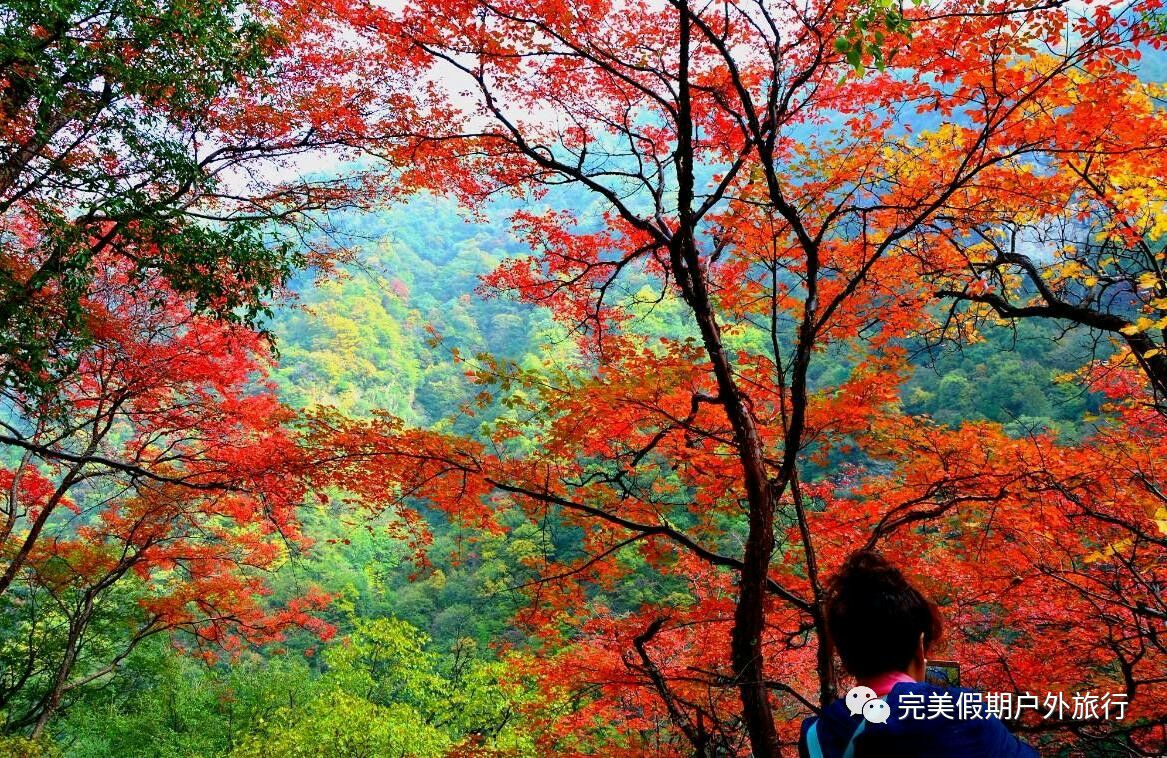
{"x": 942, "y": 673}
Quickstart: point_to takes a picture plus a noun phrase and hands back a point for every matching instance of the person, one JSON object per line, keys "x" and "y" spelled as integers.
{"x": 882, "y": 628}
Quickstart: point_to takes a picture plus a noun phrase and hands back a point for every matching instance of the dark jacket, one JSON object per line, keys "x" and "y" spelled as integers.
{"x": 911, "y": 737}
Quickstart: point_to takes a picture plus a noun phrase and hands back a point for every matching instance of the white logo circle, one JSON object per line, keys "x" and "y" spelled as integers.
{"x": 857, "y": 697}
{"x": 876, "y": 711}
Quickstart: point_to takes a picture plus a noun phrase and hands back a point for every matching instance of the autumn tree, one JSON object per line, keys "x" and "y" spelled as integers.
{"x": 171, "y": 138}
{"x": 171, "y": 489}
{"x": 1077, "y": 241}
{"x": 752, "y": 161}
{"x": 156, "y": 192}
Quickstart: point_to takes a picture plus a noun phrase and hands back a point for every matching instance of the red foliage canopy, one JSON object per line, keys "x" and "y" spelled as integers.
{"x": 787, "y": 208}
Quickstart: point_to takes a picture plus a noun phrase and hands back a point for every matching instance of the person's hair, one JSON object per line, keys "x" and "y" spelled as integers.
{"x": 875, "y": 616}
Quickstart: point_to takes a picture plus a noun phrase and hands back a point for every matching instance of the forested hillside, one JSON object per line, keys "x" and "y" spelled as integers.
{"x": 421, "y": 637}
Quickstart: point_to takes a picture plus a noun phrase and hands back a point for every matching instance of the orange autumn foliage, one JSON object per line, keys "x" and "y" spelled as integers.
{"x": 789, "y": 209}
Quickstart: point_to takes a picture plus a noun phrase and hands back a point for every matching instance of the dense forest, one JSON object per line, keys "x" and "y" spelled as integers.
{"x": 419, "y": 380}
{"x": 423, "y": 655}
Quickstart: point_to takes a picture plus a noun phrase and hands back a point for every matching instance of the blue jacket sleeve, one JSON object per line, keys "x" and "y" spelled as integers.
{"x": 803, "y": 751}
